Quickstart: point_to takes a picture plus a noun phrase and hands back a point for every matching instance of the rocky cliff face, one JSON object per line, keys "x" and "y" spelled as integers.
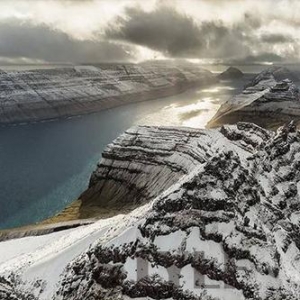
{"x": 226, "y": 227}
{"x": 271, "y": 99}
{"x": 141, "y": 164}
{"x": 28, "y": 96}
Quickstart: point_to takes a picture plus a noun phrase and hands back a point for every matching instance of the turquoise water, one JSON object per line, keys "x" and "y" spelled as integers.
{"x": 45, "y": 166}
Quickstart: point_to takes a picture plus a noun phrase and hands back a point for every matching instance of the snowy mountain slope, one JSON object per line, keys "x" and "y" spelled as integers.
{"x": 37, "y": 262}
{"x": 226, "y": 229}
{"x": 269, "y": 100}
{"x": 33, "y": 95}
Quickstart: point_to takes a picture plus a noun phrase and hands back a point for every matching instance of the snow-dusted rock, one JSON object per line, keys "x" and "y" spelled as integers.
{"x": 269, "y": 100}
{"x": 51, "y": 93}
{"x": 142, "y": 163}
{"x": 226, "y": 228}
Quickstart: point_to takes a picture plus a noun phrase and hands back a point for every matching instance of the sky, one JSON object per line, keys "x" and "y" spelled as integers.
{"x": 205, "y": 31}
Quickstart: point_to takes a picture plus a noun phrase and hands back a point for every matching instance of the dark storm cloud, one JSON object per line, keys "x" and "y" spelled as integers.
{"x": 165, "y": 29}
{"x": 178, "y": 35}
{"x": 276, "y": 38}
{"x": 162, "y": 29}
{"x": 40, "y": 42}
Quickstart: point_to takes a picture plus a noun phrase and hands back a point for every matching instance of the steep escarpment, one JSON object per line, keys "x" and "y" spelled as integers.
{"x": 271, "y": 99}
{"x": 27, "y": 96}
{"x": 139, "y": 165}
{"x": 226, "y": 228}
{"x": 142, "y": 163}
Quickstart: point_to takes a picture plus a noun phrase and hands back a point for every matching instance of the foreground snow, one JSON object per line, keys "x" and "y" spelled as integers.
{"x": 45, "y": 257}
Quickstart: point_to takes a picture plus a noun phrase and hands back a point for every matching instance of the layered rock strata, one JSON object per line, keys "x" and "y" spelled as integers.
{"x": 28, "y": 96}
{"x": 140, "y": 164}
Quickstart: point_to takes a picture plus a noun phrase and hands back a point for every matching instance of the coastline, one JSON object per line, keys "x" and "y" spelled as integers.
{"x": 70, "y": 216}
{"x": 72, "y": 213}
{"x": 100, "y": 105}
{"x": 50, "y": 95}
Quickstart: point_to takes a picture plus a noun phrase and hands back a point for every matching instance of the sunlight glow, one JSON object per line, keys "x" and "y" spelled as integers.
{"x": 144, "y": 53}
{"x": 217, "y": 89}
{"x": 192, "y": 115}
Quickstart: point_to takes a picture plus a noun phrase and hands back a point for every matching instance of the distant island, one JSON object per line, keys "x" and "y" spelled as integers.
{"x": 231, "y": 73}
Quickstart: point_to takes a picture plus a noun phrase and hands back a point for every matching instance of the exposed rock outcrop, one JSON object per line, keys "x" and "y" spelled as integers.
{"x": 143, "y": 162}
{"x": 9, "y": 290}
{"x": 140, "y": 164}
{"x": 269, "y": 100}
{"x": 231, "y": 73}
{"x": 27, "y": 96}
{"x": 226, "y": 228}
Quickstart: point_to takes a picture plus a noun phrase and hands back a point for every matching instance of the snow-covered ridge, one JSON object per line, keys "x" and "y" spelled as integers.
{"x": 227, "y": 228}
{"x": 271, "y": 99}
{"x": 27, "y": 96}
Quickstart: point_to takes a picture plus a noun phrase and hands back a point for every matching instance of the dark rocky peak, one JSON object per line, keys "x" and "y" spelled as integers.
{"x": 231, "y": 73}
{"x": 276, "y": 73}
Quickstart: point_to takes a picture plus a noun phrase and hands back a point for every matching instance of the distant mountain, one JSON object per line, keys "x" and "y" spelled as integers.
{"x": 34, "y": 95}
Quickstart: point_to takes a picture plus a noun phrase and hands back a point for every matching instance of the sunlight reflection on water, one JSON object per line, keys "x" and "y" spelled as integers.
{"x": 217, "y": 89}
{"x": 195, "y": 114}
